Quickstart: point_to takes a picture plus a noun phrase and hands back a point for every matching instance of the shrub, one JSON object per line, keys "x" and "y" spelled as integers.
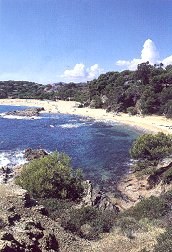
{"x": 51, "y": 177}
{"x": 132, "y": 110}
{"x": 168, "y": 109}
{"x": 164, "y": 241}
{"x": 57, "y": 208}
{"x": 152, "y": 147}
{"x": 89, "y": 222}
{"x": 151, "y": 208}
{"x": 129, "y": 226}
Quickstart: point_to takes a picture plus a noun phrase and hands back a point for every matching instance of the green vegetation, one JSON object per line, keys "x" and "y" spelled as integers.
{"x": 148, "y": 90}
{"x": 129, "y": 225}
{"x": 51, "y": 176}
{"x": 151, "y": 208}
{"x": 152, "y": 147}
{"x": 89, "y": 222}
{"x": 164, "y": 241}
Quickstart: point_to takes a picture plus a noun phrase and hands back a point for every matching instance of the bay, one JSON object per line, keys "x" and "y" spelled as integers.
{"x": 100, "y": 149}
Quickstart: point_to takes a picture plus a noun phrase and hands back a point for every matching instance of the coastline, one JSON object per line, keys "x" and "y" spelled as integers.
{"x": 151, "y": 123}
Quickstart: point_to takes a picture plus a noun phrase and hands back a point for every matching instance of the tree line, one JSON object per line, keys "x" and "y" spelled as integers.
{"x": 147, "y": 90}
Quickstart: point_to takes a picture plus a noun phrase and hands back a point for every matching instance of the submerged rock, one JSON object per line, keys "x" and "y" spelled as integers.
{"x": 29, "y": 112}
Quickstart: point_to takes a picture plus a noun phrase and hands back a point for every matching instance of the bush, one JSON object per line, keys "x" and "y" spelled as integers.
{"x": 152, "y": 147}
{"x": 132, "y": 110}
{"x": 89, "y": 222}
{"x": 51, "y": 177}
{"x": 57, "y": 208}
{"x": 168, "y": 109}
{"x": 129, "y": 226}
{"x": 164, "y": 242}
{"x": 151, "y": 208}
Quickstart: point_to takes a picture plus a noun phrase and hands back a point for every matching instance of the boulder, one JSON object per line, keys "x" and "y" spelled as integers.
{"x": 31, "y": 154}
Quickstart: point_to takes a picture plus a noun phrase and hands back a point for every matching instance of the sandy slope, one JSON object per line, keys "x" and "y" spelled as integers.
{"x": 147, "y": 123}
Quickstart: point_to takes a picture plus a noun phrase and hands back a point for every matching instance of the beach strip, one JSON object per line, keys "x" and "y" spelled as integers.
{"x": 150, "y": 123}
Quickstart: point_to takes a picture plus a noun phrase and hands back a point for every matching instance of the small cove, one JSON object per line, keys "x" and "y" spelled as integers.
{"x": 99, "y": 149}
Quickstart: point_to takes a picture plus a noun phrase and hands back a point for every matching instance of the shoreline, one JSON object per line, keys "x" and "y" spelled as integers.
{"x": 148, "y": 124}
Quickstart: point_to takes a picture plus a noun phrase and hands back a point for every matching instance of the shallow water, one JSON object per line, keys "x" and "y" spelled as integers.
{"x": 100, "y": 149}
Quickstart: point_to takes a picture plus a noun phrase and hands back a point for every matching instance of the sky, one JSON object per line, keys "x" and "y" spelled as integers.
{"x": 49, "y": 41}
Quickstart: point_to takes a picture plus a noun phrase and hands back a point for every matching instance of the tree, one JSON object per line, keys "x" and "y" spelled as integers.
{"x": 143, "y": 72}
{"x": 51, "y": 176}
{"x": 152, "y": 147}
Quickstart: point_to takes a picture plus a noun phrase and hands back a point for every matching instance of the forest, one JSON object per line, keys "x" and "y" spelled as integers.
{"x": 147, "y": 90}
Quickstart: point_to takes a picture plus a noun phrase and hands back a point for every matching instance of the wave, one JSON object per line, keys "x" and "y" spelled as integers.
{"x": 71, "y": 125}
{"x": 12, "y": 158}
{"x": 3, "y": 115}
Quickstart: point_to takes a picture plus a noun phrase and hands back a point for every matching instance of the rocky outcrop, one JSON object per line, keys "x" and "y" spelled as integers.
{"x": 29, "y": 112}
{"x": 31, "y": 154}
{"x": 164, "y": 166}
{"x": 96, "y": 198}
{"x": 134, "y": 188}
{"x": 6, "y": 173}
{"x": 26, "y": 227}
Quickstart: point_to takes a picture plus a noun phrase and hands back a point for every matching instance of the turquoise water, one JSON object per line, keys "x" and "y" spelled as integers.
{"x": 100, "y": 149}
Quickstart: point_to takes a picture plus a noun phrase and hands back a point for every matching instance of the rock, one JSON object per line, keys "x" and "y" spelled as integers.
{"x": 87, "y": 194}
{"x": 104, "y": 99}
{"x": 96, "y": 198}
{"x": 6, "y": 236}
{"x": 86, "y": 230}
{"x": 40, "y": 209}
{"x": 101, "y": 201}
{"x": 50, "y": 242}
{"x": 161, "y": 168}
{"x": 28, "y": 229}
{"x": 31, "y": 154}
{"x": 6, "y": 173}
{"x": 29, "y": 112}
{"x": 13, "y": 217}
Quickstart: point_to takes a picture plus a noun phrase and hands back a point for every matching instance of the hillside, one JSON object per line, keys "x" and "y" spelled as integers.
{"x": 148, "y": 90}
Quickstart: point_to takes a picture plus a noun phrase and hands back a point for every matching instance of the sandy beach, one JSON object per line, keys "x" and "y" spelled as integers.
{"x": 148, "y": 123}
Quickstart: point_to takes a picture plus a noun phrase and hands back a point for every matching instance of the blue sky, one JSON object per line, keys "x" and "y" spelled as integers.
{"x": 76, "y": 40}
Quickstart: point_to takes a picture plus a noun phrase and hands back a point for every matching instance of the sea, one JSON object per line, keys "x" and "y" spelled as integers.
{"x": 100, "y": 149}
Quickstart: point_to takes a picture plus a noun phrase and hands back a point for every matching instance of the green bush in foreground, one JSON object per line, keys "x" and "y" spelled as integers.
{"x": 51, "y": 177}
{"x": 152, "y": 147}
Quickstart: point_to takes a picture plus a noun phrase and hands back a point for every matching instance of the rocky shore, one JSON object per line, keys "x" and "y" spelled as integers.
{"x": 25, "y": 225}
{"x": 133, "y": 187}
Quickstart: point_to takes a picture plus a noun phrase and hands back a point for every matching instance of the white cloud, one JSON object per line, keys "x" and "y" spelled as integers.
{"x": 148, "y": 53}
{"x": 80, "y": 73}
{"x": 123, "y": 63}
{"x": 167, "y": 61}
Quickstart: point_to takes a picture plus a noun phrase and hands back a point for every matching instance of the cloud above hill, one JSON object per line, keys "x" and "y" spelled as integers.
{"x": 148, "y": 53}
{"x": 80, "y": 73}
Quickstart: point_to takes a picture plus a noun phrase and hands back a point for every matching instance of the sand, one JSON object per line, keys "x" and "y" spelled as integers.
{"x": 151, "y": 123}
